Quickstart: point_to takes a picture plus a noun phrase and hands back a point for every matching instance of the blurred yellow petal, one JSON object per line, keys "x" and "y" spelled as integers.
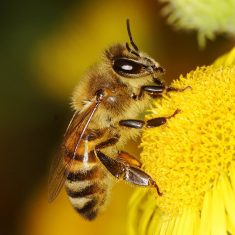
{"x": 228, "y": 198}
{"x": 205, "y": 223}
{"x": 218, "y": 224}
{"x": 227, "y": 59}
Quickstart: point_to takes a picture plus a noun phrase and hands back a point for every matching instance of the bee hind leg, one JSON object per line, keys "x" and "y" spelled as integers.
{"x": 128, "y": 159}
{"x": 124, "y": 171}
{"x": 122, "y": 156}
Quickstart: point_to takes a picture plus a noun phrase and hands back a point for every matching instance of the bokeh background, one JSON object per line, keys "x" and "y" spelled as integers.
{"x": 45, "y": 47}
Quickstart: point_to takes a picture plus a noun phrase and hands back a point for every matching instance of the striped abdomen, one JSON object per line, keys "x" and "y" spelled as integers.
{"x": 87, "y": 185}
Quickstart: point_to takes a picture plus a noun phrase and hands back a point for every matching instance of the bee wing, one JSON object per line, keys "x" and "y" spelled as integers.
{"x": 60, "y": 168}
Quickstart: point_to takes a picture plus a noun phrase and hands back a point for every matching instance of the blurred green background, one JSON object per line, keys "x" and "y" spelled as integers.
{"x": 45, "y": 47}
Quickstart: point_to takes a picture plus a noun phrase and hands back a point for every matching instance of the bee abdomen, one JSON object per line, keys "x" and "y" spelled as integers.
{"x": 89, "y": 211}
{"x": 87, "y": 191}
{"x": 84, "y": 192}
{"x": 88, "y": 174}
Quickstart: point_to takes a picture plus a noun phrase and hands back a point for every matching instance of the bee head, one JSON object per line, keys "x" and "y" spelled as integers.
{"x": 129, "y": 62}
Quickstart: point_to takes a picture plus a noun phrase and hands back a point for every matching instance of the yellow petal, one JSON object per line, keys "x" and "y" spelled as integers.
{"x": 205, "y": 223}
{"x": 227, "y": 59}
{"x": 228, "y": 196}
{"x": 218, "y": 223}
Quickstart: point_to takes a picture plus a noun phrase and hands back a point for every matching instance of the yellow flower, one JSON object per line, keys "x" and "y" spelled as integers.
{"x": 191, "y": 157}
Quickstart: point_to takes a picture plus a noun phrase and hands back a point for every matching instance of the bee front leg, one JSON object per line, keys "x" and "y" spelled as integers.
{"x": 154, "y": 122}
{"x": 124, "y": 171}
{"x": 169, "y": 88}
{"x": 153, "y": 91}
{"x": 157, "y": 90}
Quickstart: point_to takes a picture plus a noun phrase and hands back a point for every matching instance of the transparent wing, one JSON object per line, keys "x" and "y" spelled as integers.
{"x": 61, "y": 164}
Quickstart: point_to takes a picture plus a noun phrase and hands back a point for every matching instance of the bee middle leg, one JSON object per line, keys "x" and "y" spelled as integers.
{"x": 154, "y": 122}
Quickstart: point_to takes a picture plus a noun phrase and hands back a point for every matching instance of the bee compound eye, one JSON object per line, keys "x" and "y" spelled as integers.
{"x": 124, "y": 66}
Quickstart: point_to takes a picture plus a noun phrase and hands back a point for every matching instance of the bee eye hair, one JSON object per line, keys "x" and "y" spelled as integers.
{"x": 124, "y": 66}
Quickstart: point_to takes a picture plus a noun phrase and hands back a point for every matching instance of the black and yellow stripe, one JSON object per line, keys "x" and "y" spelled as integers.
{"x": 87, "y": 185}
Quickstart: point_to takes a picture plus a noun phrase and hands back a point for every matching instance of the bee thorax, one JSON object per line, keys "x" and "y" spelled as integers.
{"x": 111, "y": 99}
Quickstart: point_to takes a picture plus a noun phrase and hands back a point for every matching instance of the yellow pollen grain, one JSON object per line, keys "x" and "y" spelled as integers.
{"x": 188, "y": 154}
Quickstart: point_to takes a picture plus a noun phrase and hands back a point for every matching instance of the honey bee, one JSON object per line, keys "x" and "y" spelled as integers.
{"x": 107, "y": 102}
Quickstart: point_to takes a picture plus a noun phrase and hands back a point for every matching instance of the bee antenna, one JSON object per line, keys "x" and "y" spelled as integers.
{"x": 130, "y": 36}
{"x": 131, "y": 51}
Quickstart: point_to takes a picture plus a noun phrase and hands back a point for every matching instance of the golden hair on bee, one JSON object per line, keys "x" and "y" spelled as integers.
{"x": 106, "y": 105}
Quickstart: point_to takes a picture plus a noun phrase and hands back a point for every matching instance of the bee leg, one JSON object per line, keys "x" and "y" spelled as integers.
{"x": 132, "y": 123}
{"x": 153, "y": 91}
{"x": 128, "y": 159}
{"x": 157, "y": 90}
{"x": 131, "y": 174}
{"x": 154, "y": 122}
{"x": 122, "y": 156}
{"x": 110, "y": 142}
{"x": 169, "y": 88}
